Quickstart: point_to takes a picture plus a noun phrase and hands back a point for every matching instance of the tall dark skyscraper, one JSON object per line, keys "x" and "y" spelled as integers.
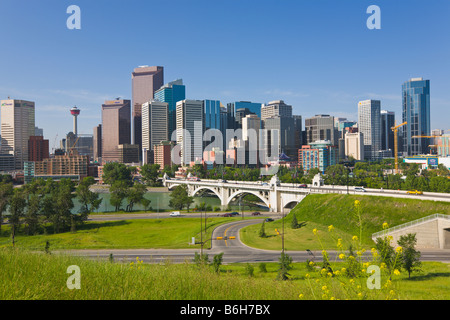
{"x": 387, "y": 135}
{"x": 145, "y": 81}
{"x": 416, "y": 111}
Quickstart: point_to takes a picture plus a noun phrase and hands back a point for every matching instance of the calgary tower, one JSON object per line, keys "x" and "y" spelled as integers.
{"x": 75, "y": 112}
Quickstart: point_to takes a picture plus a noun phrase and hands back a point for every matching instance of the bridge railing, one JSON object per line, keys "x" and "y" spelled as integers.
{"x": 411, "y": 223}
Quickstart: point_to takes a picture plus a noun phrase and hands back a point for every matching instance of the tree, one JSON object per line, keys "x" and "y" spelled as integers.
{"x": 410, "y": 257}
{"x": 114, "y": 171}
{"x": 64, "y": 204}
{"x": 387, "y": 253}
{"x": 6, "y": 191}
{"x": 32, "y": 214}
{"x": 88, "y": 199}
{"x": 118, "y": 191}
{"x": 285, "y": 264}
{"x": 262, "y": 231}
{"x": 217, "y": 262}
{"x": 179, "y": 198}
{"x": 135, "y": 195}
{"x": 16, "y": 207}
{"x": 294, "y": 222}
{"x": 150, "y": 173}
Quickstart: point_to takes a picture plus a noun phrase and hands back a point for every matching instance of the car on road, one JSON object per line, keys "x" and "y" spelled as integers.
{"x": 360, "y": 189}
{"x": 175, "y": 214}
{"x": 234, "y": 213}
{"x": 227, "y": 215}
{"x": 264, "y": 184}
{"x": 414, "y": 192}
{"x": 268, "y": 220}
{"x": 256, "y": 213}
{"x": 303, "y": 186}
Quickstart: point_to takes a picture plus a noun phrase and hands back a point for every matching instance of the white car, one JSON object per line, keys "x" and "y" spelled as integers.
{"x": 175, "y": 214}
{"x": 360, "y": 189}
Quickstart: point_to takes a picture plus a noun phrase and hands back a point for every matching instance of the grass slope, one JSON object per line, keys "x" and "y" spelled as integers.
{"x": 38, "y": 276}
{"x": 170, "y": 233}
{"x": 322, "y": 210}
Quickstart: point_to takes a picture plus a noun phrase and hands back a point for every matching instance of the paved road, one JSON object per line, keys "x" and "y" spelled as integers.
{"x": 233, "y": 250}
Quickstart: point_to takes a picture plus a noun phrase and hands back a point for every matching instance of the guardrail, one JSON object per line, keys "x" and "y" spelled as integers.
{"x": 411, "y": 223}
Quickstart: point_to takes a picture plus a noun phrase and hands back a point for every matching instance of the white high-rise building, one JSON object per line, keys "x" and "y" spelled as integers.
{"x": 155, "y": 125}
{"x": 369, "y": 124}
{"x": 354, "y": 145}
{"x": 17, "y": 125}
{"x": 190, "y": 127}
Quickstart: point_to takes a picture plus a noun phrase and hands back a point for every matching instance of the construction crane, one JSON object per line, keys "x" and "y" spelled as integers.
{"x": 73, "y": 147}
{"x": 431, "y": 137}
{"x": 395, "y": 129}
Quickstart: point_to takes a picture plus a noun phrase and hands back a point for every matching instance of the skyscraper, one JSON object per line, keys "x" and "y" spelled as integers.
{"x": 284, "y": 127}
{"x": 17, "y": 126}
{"x": 387, "y": 135}
{"x": 369, "y": 122}
{"x": 98, "y": 143}
{"x": 416, "y": 112}
{"x": 171, "y": 93}
{"x": 253, "y": 107}
{"x": 38, "y": 148}
{"x": 155, "y": 127}
{"x": 275, "y": 108}
{"x": 321, "y": 127}
{"x": 190, "y": 124}
{"x": 145, "y": 81}
{"x": 116, "y": 128}
{"x": 212, "y": 109}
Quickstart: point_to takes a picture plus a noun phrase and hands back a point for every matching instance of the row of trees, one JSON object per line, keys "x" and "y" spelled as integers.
{"x": 43, "y": 205}
{"x": 123, "y": 186}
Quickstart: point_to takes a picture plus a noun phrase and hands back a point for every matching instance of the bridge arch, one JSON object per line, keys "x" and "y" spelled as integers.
{"x": 291, "y": 204}
{"x": 241, "y": 192}
{"x": 206, "y": 188}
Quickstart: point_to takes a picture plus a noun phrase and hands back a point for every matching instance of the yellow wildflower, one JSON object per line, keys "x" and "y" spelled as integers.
{"x": 399, "y": 249}
{"x": 354, "y": 238}
{"x": 396, "y": 272}
{"x": 330, "y": 228}
{"x": 385, "y": 225}
{"x": 324, "y": 288}
{"x": 342, "y": 256}
{"x": 300, "y": 295}
{"x": 315, "y": 231}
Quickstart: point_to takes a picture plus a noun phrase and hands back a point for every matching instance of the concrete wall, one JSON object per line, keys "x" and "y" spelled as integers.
{"x": 429, "y": 234}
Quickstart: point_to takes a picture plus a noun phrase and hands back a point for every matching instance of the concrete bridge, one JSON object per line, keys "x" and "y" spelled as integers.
{"x": 274, "y": 195}
{"x": 277, "y": 196}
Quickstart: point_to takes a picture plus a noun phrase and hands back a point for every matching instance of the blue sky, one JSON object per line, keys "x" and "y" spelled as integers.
{"x": 318, "y": 56}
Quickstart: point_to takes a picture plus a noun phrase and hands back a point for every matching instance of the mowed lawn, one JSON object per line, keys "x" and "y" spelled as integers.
{"x": 170, "y": 233}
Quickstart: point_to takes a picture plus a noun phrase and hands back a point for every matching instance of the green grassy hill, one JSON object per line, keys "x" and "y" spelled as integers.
{"x": 322, "y": 210}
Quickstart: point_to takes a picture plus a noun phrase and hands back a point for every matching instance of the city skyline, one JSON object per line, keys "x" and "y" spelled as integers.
{"x": 317, "y": 72}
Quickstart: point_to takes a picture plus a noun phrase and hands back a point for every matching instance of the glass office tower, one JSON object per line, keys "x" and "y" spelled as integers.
{"x": 416, "y": 111}
{"x": 171, "y": 93}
